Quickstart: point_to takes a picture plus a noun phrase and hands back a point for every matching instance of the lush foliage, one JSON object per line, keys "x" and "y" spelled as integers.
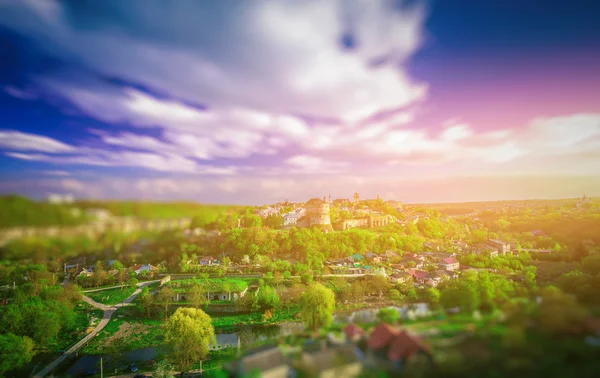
{"x": 17, "y": 211}
{"x": 189, "y": 333}
{"x": 317, "y": 306}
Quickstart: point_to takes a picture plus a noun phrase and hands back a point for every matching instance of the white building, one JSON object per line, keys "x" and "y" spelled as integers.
{"x": 290, "y": 219}
{"x": 61, "y": 198}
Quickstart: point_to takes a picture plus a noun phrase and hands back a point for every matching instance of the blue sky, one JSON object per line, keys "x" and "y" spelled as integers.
{"x": 253, "y": 102}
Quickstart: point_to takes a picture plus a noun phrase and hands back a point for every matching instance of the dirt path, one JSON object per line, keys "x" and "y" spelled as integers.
{"x": 108, "y": 313}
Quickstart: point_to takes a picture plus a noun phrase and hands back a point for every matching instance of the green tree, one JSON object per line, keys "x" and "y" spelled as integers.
{"x": 432, "y": 295}
{"x": 559, "y": 312}
{"x": 266, "y": 299}
{"x": 117, "y": 265}
{"x": 197, "y": 296}
{"x": 15, "y": 351}
{"x": 163, "y": 369}
{"x": 388, "y": 315}
{"x": 378, "y": 284}
{"x": 132, "y": 283}
{"x": 306, "y": 278}
{"x": 317, "y": 306}
{"x": 463, "y": 296}
{"x": 251, "y": 220}
{"x": 165, "y": 297}
{"x": 591, "y": 264}
{"x": 146, "y": 300}
{"x": 188, "y": 333}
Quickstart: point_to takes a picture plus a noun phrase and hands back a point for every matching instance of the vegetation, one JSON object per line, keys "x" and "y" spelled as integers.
{"x": 188, "y": 332}
{"x": 202, "y": 214}
{"x": 317, "y": 306}
{"x": 111, "y": 296}
{"x": 18, "y": 211}
{"x": 15, "y": 351}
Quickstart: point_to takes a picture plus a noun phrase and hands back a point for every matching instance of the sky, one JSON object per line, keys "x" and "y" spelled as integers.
{"x": 253, "y": 102}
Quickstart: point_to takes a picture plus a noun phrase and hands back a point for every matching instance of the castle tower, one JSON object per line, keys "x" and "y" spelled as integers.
{"x": 356, "y": 197}
{"x": 317, "y": 214}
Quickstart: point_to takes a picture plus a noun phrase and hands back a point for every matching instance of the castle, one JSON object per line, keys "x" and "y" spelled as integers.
{"x": 317, "y": 215}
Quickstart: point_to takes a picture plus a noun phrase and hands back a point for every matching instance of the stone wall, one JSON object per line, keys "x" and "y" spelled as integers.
{"x": 370, "y": 221}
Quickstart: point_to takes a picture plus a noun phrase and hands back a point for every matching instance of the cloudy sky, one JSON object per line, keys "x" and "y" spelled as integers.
{"x": 259, "y": 101}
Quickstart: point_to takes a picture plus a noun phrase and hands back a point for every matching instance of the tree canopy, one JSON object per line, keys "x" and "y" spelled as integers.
{"x": 189, "y": 333}
{"x": 317, "y": 304}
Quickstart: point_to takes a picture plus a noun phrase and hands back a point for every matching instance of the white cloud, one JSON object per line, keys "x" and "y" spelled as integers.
{"x": 56, "y": 173}
{"x": 278, "y": 57}
{"x": 19, "y": 93}
{"x": 18, "y": 141}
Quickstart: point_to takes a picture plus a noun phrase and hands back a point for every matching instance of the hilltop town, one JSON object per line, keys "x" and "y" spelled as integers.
{"x": 321, "y": 288}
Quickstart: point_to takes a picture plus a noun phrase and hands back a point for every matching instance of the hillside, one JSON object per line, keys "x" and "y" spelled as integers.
{"x": 153, "y": 210}
{"x": 18, "y": 211}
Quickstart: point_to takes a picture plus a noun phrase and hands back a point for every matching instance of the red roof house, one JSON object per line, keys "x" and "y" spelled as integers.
{"x": 382, "y": 336}
{"x": 405, "y": 346}
{"x": 353, "y": 331}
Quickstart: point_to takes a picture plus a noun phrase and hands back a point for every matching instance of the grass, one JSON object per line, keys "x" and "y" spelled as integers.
{"x": 83, "y": 315}
{"x": 233, "y": 322}
{"x": 209, "y": 285}
{"x": 132, "y": 330}
{"x": 111, "y": 296}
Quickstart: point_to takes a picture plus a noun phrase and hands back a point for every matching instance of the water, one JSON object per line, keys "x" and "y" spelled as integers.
{"x": 247, "y": 335}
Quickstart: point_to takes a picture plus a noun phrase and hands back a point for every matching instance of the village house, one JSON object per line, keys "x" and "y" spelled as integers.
{"x": 408, "y": 262}
{"x": 449, "y": 263}
{"x": 332, "y": 362}
{"x": 370, "y": 256}
{"x": 503, "y": 247}
{"x": 419, "y": 276}
{"x": 220, "y": 295}
{"x": 391, "y": 348}
{"x": 84, "y": 273}
{"x": 267, "y": 362}
{"x": 400, "y": 277}
{"x": 353, "y": 333}
{"x": 208, "y": 261}
{"x": 290, "y": 219}
{"x": 139, "y": 269}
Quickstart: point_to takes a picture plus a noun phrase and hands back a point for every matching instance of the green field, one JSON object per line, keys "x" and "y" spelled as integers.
{"x": 111, "y": 296}
{"x": 210, "y": 285}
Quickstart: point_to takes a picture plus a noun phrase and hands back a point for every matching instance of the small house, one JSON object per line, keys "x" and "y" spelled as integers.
{"x": 450, "y": 264}
{"x": 266, "y": 362}
{"x": 502, "y": 246}
{"x": 332, "y": 362}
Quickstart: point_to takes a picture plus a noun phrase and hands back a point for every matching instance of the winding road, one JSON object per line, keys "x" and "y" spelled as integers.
{"x": 108, "y": 313}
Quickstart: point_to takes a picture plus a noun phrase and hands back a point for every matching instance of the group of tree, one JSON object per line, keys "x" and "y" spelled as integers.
{"x": 38, "y": 315}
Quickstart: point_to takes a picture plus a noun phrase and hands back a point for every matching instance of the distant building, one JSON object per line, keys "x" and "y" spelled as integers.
{"x": 208, "y": 261}
{"x": 290, "y": 219}
{"x": 138, "y": 269}
{"x": 450, "y": 264}
{"x": 392, "y": 347}
{"x": 98, "y": 214}
{"x": 58, "y": 199}
{"x": 332, "y": 362}
{"x": 503, "y": 247}
{"x": 317, "y": 215}
{"x": 394, "y": 204}
{"x": 266, "y": 362}
{"x": 353, "y": 332}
